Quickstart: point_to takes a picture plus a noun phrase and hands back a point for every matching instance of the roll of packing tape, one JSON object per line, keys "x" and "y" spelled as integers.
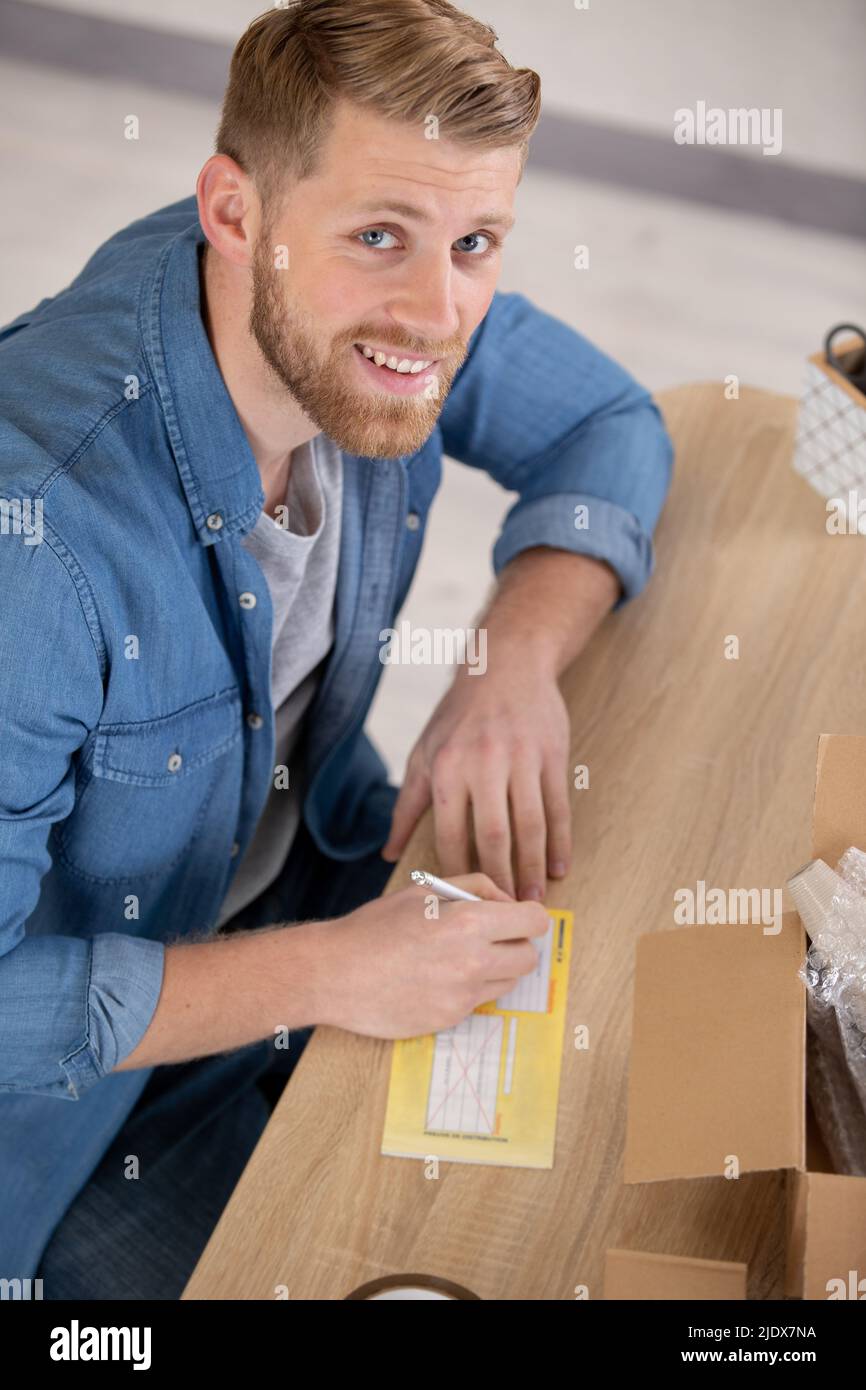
{"x": 420, "y": 1287}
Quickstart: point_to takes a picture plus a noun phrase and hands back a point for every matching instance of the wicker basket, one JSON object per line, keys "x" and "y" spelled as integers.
{"x": 830, "y": 450}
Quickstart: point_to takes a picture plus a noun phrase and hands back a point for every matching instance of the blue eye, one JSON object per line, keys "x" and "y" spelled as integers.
{"x": 480, "y": 243}
{"x": 475, "y": 236}
{"x": 380, "y": 232}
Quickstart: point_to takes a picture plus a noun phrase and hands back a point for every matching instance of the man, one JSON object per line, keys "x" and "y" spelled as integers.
{"x": 225, "y": 435}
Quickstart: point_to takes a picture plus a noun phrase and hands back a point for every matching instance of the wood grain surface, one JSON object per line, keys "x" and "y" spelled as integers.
{"x": 700, "y": 768}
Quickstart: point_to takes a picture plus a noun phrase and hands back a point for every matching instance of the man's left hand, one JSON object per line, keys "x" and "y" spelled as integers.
{"x": 496, "y": 750}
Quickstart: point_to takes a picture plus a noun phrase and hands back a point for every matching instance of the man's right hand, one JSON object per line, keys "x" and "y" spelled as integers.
{"x": 390, "y": 971}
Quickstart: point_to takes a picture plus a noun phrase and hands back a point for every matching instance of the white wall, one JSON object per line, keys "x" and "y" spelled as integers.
{"x": 634, "y": 62}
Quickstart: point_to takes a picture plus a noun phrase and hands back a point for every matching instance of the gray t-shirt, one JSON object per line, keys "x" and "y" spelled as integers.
{"x": 299, "y": 561}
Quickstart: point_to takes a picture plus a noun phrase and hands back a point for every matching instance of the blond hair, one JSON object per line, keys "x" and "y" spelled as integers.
{"x": 408, "y": 60}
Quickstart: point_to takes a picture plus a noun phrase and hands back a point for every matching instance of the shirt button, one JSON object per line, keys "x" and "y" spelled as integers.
{"x": 413, "y": 521}
{"x": 255, "y": 721}
{"x": 234, "y": 849}
{"x": 247, "y": 600}
{"x": 214, "y": 521}
{"x": 174, "y": 762}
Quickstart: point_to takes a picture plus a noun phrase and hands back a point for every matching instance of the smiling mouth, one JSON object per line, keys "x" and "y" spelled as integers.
{"x": 399, "y": 363}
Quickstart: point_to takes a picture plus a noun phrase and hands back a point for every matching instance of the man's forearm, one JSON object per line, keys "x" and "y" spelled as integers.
{"x": 222, "y": 994}
{"x": 547, "y": 605}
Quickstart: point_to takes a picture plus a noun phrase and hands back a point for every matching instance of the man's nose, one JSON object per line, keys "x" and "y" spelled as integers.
{"x": 424, "y": 301}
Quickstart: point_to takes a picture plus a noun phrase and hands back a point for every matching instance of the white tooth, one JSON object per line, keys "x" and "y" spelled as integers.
{"x": 379, "y": 358}
{"x": 416, "y": 367}
{"x": 368, "y": 352}
{"x": 392, "y": 363}
{"x": 405, "y": 366}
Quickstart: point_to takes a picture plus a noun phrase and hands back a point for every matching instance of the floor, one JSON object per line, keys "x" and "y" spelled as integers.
{"x": 677, "y": 291}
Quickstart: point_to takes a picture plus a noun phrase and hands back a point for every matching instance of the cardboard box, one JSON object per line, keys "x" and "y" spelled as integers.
{"x": 718, "y": 1059}
{"x": 634, "y": 1274}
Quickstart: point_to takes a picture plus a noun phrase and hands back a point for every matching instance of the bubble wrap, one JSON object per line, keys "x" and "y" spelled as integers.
{"x": 835, "y": 977}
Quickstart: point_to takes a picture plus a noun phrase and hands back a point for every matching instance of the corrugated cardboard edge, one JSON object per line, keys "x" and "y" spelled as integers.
{"x": 638, "y": 1274}
{"x": 797, "y": 1196}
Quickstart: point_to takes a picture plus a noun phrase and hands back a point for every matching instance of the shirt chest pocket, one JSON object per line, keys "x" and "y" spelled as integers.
{"x": 145, "y": 789}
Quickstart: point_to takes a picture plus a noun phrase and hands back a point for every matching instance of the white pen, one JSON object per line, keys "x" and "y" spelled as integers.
{"x": 443, "y": 890}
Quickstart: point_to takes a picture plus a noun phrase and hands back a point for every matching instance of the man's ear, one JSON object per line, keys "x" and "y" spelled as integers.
{"x": 229, "y": 209}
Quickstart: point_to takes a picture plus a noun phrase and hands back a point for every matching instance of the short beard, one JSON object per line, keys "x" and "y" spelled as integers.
{"x": 375, "y": 426}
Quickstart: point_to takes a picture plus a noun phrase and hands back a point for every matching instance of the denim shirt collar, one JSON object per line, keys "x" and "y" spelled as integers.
{"x": 216, "y": 464}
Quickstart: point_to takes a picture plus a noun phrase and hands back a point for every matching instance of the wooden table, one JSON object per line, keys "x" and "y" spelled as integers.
{"x": 700, "y": 768}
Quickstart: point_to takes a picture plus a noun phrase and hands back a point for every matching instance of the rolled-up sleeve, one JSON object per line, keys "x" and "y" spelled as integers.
{"x": 71, "y": 1009}
{"x": 71, "y": 1006}
{"x": 552, "y": 418}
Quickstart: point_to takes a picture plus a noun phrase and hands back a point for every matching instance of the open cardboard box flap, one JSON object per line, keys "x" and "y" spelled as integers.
{"x": 718, "y": 1062}
{"x": 839, "y": 808}
{"x": 718, "y": 1053}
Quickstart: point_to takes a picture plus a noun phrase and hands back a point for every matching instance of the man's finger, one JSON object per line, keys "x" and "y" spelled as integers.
{"x": 450, "y": 821}
{"x": 524, "y": 921}
{"x": 489, "y": 791}
{"x": 482, "y": 886}
{"x": 557, "y": 809}
{"x": 495, "y": 989}
{"x": 530, "y": 831}
{"x": 412, "y": 802}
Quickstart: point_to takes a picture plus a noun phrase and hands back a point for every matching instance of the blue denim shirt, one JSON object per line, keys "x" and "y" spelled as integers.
{"x": 137, "y": 727}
